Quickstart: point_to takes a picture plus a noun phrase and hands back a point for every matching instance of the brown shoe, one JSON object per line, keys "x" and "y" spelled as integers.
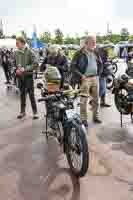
{"x": 21, "y": 115}
{"x": 85, "y": 123}
{"x": 97, "y": 121}
{"x": 105, "y": 105}
{"x": 35, "y": 116}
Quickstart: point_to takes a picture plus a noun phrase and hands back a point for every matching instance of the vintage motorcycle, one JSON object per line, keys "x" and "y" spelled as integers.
{"x": 63, "y": 123}
{"x": 123, "y": 95}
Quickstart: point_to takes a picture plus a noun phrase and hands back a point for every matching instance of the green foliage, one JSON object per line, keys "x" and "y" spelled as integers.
{"x": 69, "y": 40}
{"x": 130, "y": 39}
{"x": 71, "y": 54}
{"x": 46, "y": 37}
{"x": 23, "y": 33}
{"x": 60, "y": 39}
{"x": 113, "y": 38}
{"x": 58, "y": 36}
{"x": 124, "y": 34}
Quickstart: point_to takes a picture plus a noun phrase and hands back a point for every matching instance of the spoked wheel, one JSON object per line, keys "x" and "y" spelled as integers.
{"x": 120, "y": 101}
{"x": 132, "y": 118}
{"x": 115, "y": 68}
{"x": 110, "y": 81}
{"x": 77, "y": 150}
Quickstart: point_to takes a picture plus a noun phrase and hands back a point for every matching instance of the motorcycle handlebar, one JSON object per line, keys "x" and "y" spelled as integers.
{"x": 51, "y": 97}
{"x": 58, "y": 95}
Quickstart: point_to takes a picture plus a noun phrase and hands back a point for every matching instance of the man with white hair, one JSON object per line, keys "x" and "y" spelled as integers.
{"x": 85, "y": 68}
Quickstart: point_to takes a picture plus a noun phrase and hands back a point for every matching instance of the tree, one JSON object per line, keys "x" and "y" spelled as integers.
{"x": 115, "y": 38}
{"x": 46, "y": 37}
{"x": 130, "y": 39}
{"x": 69, "y": 40}
{"x": 99, "y": 39}
{"x": 77, "y": 39}
{"x": 124, "y": 34}
{"x": 58, "y": 36}
{"x": 23, "y": 33}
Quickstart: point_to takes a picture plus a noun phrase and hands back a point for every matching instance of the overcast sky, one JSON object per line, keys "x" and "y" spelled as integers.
{"x": 72, "y": 16}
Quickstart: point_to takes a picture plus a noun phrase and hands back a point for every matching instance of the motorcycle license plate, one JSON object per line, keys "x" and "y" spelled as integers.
{"x": 70, "y": 113}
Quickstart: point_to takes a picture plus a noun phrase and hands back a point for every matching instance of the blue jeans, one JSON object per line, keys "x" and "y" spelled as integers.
{"x": 102, "y": 86}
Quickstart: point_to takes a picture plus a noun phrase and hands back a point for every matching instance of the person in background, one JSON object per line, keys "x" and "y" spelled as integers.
{"x": 102, "y": 78}
{"x": 50, "y": 59}
{"x": 62, "y": 64}
{"x": 25, "y": 62}
{"x": 5, "y": 65}
{"x": 125, "y": 54}
{"x": 84, "y": 66}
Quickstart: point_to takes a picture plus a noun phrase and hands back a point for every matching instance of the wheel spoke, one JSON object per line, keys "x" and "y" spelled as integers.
{"x": 76, "y": 155}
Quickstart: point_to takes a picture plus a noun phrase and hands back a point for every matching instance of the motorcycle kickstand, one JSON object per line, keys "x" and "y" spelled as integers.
{"x": 121, "y": 118}
{"x": 46, "y": 130}
{"x": 47, "y": 127}
{"x": 132, "y": 117}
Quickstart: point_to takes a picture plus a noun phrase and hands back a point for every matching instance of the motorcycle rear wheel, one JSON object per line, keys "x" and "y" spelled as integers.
{"x": 120, "y": 101}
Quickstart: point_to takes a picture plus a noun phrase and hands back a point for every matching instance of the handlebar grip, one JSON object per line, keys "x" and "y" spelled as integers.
{"x": 51, "y": 97}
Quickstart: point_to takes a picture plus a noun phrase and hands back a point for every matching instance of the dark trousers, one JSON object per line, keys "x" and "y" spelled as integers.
{"x": 62, "y": 77}
{"x": 7, "y": 72}
{"x": 102, "y": 86}
{"x": 27, "y": 87}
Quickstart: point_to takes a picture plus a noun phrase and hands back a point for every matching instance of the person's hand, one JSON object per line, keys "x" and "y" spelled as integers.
{"x": 22, "y": 69}
{"x": 18, "y": 72}
{"x": 83, "y": 77}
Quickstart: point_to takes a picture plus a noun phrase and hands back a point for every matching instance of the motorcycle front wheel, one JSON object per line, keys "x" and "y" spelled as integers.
{"x": 77, "y": 150}
{"x": 110, "y": 81}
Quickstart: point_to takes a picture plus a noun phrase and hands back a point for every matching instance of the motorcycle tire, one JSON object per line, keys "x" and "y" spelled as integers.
{"x": 115, "y": 68}
{"x": 110, "y": 81}
{"x": 120, "y": 103}
{"x": 80, "y": 147}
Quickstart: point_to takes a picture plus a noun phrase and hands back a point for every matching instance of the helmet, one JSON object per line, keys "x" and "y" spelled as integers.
{"x": 52, "y": 50}
{"x": 53, "y": 78}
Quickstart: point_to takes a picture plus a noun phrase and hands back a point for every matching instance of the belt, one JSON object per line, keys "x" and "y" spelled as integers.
{"x": 90, "y": 76}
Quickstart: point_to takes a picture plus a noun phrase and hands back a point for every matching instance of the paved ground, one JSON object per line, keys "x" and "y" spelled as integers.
{"x": 31, "y": 168}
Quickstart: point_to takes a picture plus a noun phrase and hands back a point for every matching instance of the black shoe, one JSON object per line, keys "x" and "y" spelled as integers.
{"x": 35, "y": 116}
{"x": 105, "y": 105}
{"x": 97, "y": 121}
{"x": 7, "y": 82}
{"x": 21, "y": 115}
{"x": 85, "y": 123}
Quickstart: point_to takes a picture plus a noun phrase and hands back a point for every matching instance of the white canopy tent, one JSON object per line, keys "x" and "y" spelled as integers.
{"x": 8, "y": 43}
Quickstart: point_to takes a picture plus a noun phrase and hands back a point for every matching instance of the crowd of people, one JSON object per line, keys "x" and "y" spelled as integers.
{"x": 6, "y": 60}
{"x": 87, "y": 68}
